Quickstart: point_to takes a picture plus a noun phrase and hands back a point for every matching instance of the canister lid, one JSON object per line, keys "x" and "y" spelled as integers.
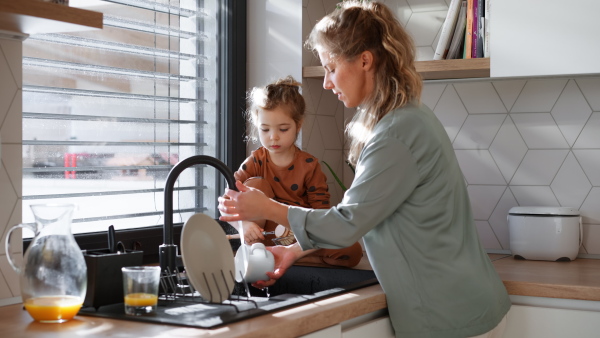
{"x": 553, "y": 211}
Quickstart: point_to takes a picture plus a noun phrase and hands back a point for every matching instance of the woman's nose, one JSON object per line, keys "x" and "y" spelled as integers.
{"x": 327, "y": 84}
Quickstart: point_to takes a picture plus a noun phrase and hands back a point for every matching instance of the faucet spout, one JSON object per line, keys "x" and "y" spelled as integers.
{"x": 168, "y": 250}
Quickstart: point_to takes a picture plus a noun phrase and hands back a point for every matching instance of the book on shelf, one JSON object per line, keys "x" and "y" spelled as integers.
{"x": 478, "y": 50}
{"x": 447, "y": 30}
{"x": 474, "y": 31}
{"x": 469, "y": 30}
{"x": 486, "y": 29}
{"x": 455, "y": 50}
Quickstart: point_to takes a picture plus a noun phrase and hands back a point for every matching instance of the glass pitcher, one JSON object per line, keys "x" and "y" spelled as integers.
{"x": 53, "y": 275}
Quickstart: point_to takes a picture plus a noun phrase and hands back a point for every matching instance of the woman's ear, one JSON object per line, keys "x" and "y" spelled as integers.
{"x": 366, "y": 58}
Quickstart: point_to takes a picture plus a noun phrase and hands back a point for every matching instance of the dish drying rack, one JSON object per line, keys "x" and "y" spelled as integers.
{"x": 175, "y": 286}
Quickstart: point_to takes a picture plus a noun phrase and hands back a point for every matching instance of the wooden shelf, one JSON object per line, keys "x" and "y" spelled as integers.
{"x": 433, "y": 70}
{"x": 33, "y": 16}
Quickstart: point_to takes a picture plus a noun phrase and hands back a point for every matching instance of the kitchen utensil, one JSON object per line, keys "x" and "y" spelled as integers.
{"x": 105, "y": 279}
{"x": 280, "y": 231}
{"x": 259, "y": 261}
{"x": 140, "y": 289}
{"x": 53, "y": 276}
{"x": 121, "y": 247}
{"x": 111, "y": 239}
{"x": 237, "y": 236}
{"x": 287, "y": 240}
{"x": 208, "y": 258}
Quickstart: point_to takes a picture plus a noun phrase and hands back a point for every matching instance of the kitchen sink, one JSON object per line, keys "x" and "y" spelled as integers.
{"x": 309, "y": 280}
{"x": 180, "y": 305}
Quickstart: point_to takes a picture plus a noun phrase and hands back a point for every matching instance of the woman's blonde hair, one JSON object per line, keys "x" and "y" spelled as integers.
{"x": 283, "y": 92}
{"x": 358, "y": 26}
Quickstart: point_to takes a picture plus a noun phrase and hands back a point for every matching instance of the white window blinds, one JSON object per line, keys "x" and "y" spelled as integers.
{"x": 107, "y": 113}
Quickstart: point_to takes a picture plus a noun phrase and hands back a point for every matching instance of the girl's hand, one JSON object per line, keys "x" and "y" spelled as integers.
{"x": 252, "y": 232}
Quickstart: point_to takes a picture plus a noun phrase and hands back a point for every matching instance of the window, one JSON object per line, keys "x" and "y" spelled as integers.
{"x": 107, "y": 113}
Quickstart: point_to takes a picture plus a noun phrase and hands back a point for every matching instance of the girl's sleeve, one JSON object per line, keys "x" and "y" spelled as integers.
{"x": 246, "y": 170}
{"x": 317, "y": 189}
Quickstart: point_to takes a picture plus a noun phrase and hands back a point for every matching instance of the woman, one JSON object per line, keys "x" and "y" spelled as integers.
{"x": 408, "y": 200}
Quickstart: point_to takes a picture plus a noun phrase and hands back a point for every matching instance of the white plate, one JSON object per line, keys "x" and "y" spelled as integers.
{"x": 208, "y": 258}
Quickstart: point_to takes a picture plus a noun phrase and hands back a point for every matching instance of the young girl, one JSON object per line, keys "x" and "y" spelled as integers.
{"x": 408, "y": 200}
{"x": 281, "y": 170}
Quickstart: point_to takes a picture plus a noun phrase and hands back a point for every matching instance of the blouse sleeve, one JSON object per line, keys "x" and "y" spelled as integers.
{"x": 386, "y": 175}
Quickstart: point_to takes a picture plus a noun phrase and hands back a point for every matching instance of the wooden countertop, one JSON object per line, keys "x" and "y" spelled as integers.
{"x": 579, "y": 279}
{"x": 15, "y": 322}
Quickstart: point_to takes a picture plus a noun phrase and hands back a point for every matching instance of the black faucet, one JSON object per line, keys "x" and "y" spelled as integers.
{"x": 167, "y": 252}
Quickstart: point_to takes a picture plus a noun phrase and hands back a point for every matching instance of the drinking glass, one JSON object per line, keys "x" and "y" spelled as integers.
{"x": 140, "y": 289}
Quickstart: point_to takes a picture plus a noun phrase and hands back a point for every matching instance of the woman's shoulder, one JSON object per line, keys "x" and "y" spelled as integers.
{"x": 405, "y": 119}
{"x": 409, "y": 123}
{"x": 414, "y": 112}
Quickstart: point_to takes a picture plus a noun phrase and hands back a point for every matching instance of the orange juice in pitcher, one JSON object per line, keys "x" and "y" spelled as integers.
{"x": 53, "y": 275}
{"x": 53, "y": 309}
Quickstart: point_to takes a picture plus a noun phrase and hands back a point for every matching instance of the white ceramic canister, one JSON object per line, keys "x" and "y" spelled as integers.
{"x": 545, "y": 233}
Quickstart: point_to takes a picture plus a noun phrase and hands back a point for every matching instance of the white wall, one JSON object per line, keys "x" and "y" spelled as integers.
{"x": 274, "y": 42}
{"x": 11, "y": 166}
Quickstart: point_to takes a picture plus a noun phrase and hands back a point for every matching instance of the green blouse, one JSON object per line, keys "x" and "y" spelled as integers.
{"x": 410, "y": 204}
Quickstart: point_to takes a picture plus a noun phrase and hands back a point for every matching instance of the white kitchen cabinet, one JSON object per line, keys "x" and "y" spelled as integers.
{"x": 334, "y": 331}
{"x": 544, "y": 37}
{"x": 379, "y": 327}
{"x": 539, "y": 322}
{"x": 373, "y": 325}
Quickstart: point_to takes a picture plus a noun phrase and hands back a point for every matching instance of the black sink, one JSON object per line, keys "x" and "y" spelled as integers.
{"x": 308, "y": 280}
{"x": 303, "y": 280}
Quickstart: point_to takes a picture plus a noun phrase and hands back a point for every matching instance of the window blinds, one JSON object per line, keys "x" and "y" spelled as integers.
{"x": 107, "y": 113}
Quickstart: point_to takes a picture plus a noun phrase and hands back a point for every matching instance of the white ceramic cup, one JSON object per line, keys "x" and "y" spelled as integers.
{"x": 259, "y": 261}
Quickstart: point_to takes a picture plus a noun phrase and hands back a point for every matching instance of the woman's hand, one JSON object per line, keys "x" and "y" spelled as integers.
{"x": 246, "y": 204}
{"x": 249, "y": 204}
{"x": 285, "y": 256}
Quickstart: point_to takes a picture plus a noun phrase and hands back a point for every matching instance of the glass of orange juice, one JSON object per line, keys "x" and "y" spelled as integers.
{"x": 140, "y": 289}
